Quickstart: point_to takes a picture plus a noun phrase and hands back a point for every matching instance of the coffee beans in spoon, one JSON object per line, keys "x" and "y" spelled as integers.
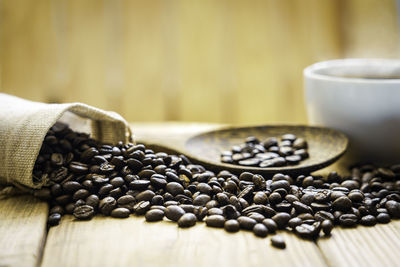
{"x": 118, "y": 180}
{"x": 272, "y": 152}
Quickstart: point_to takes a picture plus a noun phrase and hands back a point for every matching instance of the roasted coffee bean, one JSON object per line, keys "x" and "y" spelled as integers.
{"x": 142, "y": 207}
{"x": 348, "y": 220}
{"x": 281, "y": 219}
{"x": 187, "y": 220}
{"x": 271, "y": 225}
{"x": 154, "y": 215}
{"x": 71, "y": 186}
{"x": 215, "y": 221}
{"x": 78, "y": 167}
{"x": 278, "y": 242}
{"x": 84, "y": 212}
{"x": 327, "y": 226}
{"x": 158, "y": 180}
{"x": 80, "y": 194}
{"x": 383, "y": 218}
{"x": 342, "y": 204}
{"x": 93, "y": 200}
{"x": 293, "y": 222}
{"x": 117, "y": 182}
{"x": 174, "y": 188}
{"x": 139, "y": 184}
{"x": 368, "y": 220}
{"x": 308, "y": 230}
{"x": 260, "y": 230}
{"x": 107, "y": 204}
{"x": 393, "y": 208}
{"x": 146, "y": 195}
{"x": 232, "y": 225}
{"x": 324, "y": 215}
{"x": 246, "y": 223}
{"x": 120, "y": 213}
{"x": 174, "y": 212}
{"x": 54, "y": 219}
{"x": 201, "y": 200}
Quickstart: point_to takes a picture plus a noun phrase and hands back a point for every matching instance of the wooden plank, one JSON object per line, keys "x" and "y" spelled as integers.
{"x": 23, "y": 230}
{"x": 363, "y": 246}
{"x": 134, "y": 242}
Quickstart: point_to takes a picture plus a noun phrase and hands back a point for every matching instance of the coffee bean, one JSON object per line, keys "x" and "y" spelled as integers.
{"x": 146, "y": 195}
{"x": 215, "y": 211}
{"x": 107, "y": 204}
{"x": 80, "y": 194}
{"x": 281, "y": 219}
{"x": 174, "y": 188}
{"x": 117, "y": 182}
{"x": 174, "y": 213}
{"x": 187, "y": 220}
{"x": 293, "y": 222}
{"x": 308, "y": 231}
{"x": 348, "y": 220}
{"x": 232, "y": 225}
{"x": 278, "y": 242}
{"x": 368, "y": 220}
{"x": 71, "y": 186}
{"x": 158, "y": 181}
{"x": 154, "y": 215}
{"x": 142, "y": 207}
{"x": 215, "y": 221}
{"x": 246, "y": 223}
{"x": 201, "y": 200}
{"x": 84, "y": 212}
{"x": 139, "y": 184}
{"x": 342, "y": 203}
{"x": 393, "y": 208}
{"x": 93, "y": 200}
{"x": 270, "y": 224}
{"x": 260, "y": 198}
{"x": 327, "y": 226}
{"x": 301, "y": 208}
{"x": 78, "y": 167}
{"x": 260, "y": 230}
{"x": 54, "y": 219}
{"x": 383, "y": 218}
{"x": 120, "y": 213}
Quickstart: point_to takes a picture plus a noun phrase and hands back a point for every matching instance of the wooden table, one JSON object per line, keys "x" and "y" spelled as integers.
{"x": 134, "y": 242}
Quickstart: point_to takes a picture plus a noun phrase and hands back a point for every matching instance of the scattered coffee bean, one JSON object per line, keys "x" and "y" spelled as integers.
{"x": 120, "y": 213}
{"x": 215, "y": 221}
{"x": 278, "y": 242}
{"x": 88, "y": 177}
{"x": 84, "y": 212}
{"x": 174, "y": 213}
{"x": 260, "y": 230}
{"x": 54, "y": 219}
{"x": 187, "y": 220}
{"x": 232, "y": 225}
{"x": 327, "y": 227}
{"x": 154, "y": 215}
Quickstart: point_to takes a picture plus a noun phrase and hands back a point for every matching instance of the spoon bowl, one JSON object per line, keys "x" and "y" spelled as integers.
{"x": 325, "y": 146}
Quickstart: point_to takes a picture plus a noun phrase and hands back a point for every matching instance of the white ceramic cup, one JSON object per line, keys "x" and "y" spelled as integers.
{"x": 361, "y": 98}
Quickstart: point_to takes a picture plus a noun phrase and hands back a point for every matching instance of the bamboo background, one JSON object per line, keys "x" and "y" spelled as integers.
{"x": 231, "y": 61}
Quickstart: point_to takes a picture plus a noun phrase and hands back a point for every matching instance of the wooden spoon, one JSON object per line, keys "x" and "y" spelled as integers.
{"x": 325, "y": 146}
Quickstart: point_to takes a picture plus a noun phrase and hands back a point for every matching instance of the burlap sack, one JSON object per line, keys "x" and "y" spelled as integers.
{"x": 24, "y": 124}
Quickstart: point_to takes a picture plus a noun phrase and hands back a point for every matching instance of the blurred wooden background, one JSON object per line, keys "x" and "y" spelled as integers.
{"x": 233, "y": 61}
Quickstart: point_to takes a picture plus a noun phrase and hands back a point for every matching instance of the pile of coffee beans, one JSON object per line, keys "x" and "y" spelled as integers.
{"x": 88, "y": 178}
{"x": 289, "y": 150}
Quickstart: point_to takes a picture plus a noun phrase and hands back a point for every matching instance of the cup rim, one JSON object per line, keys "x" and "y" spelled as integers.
{"x": 312, "y": 70}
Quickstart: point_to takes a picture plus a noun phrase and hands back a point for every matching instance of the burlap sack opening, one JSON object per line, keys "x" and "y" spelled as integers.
{"x": 24, "y": 124}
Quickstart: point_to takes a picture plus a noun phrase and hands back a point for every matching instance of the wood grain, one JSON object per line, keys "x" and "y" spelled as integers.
{"x": 134, "y": 242}
{"x": 362, "y": 246}
{"x": 22, "y": 230}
